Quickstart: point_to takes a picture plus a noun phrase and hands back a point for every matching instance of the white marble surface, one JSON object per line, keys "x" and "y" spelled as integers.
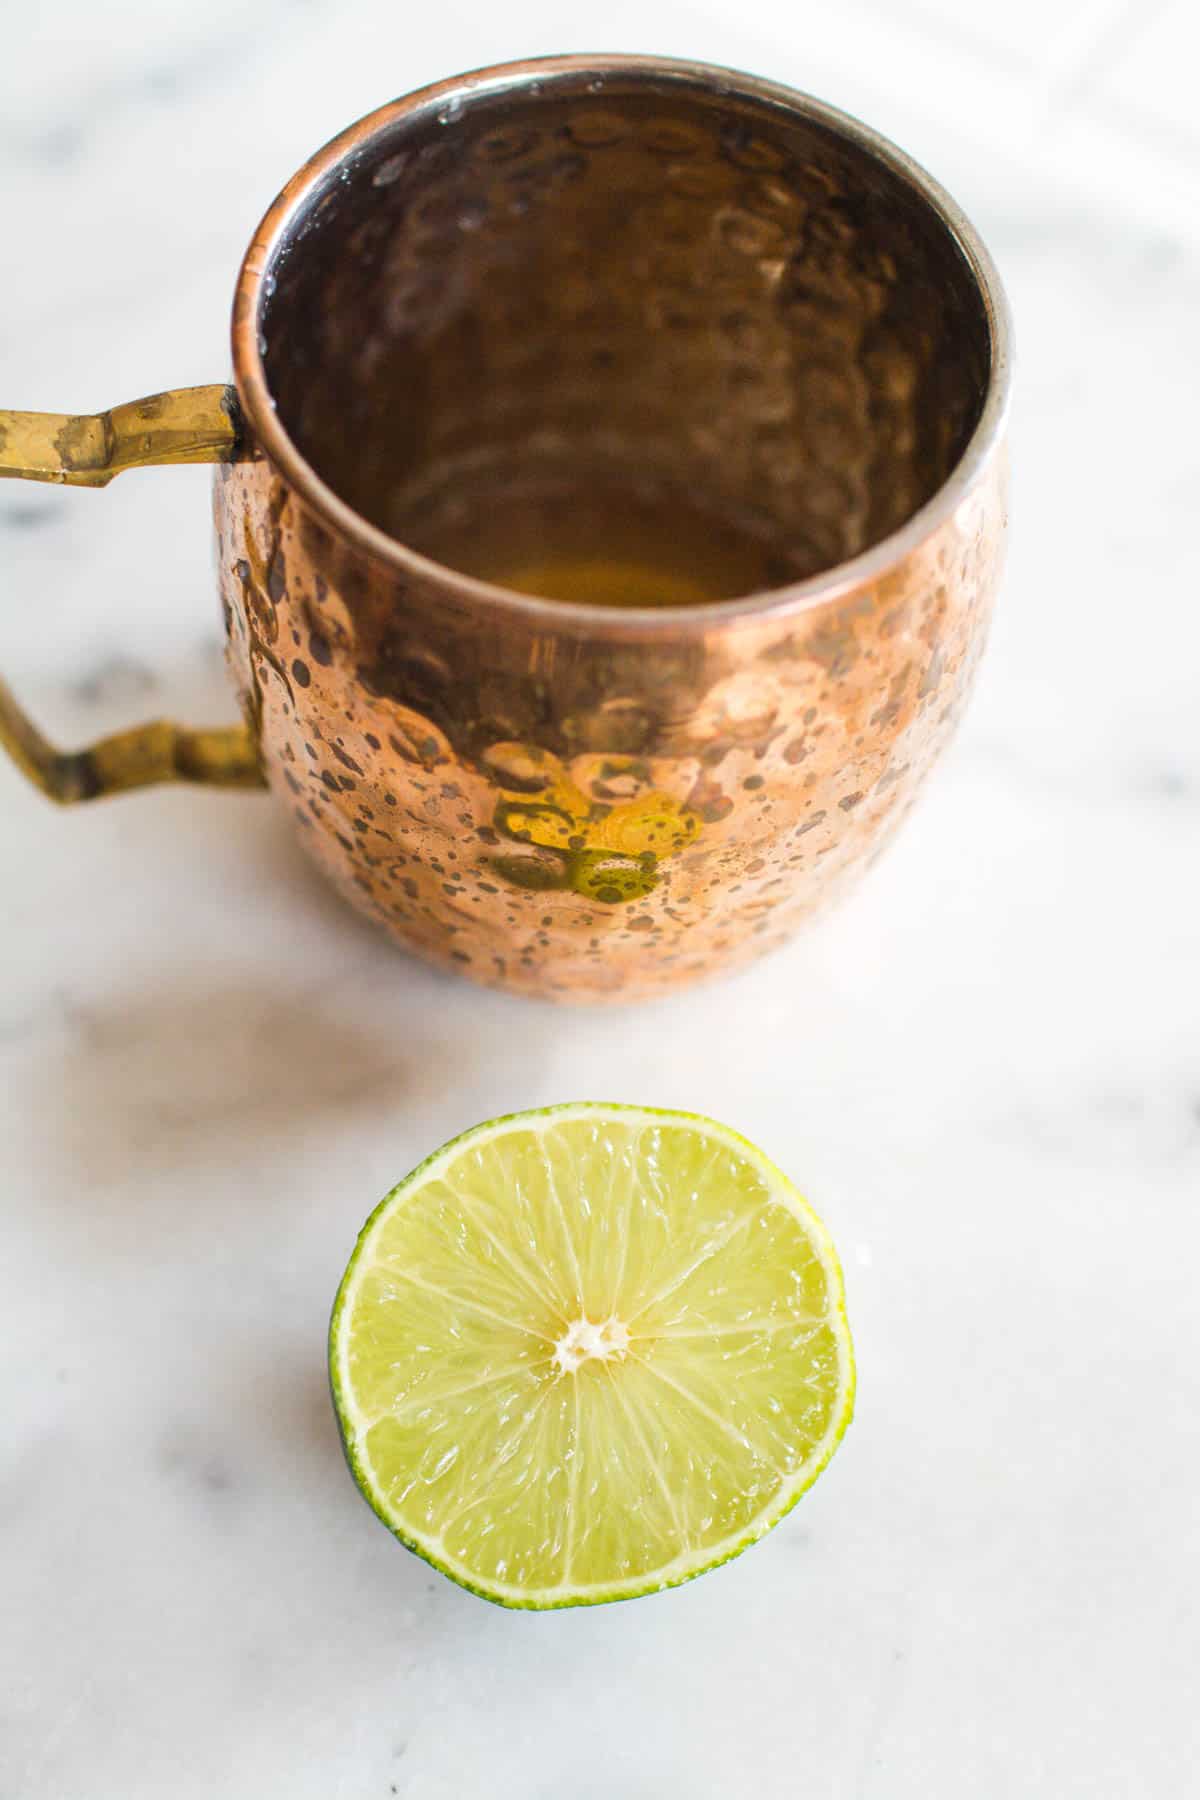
{"x": 985, "y": 1070}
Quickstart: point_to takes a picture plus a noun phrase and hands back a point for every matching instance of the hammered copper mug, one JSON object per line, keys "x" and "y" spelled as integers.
{"x": 534, "y": 284}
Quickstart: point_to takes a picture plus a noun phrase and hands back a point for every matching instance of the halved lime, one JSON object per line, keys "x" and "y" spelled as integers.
{"x": 585, "y": 1353}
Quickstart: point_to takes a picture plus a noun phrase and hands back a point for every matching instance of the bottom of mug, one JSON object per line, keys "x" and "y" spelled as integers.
{"x": 607, "y": 957}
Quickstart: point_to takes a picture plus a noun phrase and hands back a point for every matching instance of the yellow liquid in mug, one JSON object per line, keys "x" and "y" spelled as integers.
{"x": 595, "y": 545}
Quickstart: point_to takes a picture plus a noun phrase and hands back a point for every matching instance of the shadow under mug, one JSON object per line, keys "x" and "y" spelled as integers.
{"x": 584, "y": 269}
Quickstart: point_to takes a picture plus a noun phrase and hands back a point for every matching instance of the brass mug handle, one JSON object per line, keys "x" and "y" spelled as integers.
{"x": 186, "y": 425}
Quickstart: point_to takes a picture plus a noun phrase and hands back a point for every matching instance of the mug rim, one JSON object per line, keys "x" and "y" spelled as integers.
{"x": 536, "y": 74}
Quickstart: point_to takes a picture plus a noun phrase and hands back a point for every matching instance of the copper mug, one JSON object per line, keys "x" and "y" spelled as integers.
{"x": 498, "y": 298}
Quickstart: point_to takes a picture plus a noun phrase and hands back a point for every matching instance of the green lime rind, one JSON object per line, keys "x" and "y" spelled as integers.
{"x": 519, "y": 1599}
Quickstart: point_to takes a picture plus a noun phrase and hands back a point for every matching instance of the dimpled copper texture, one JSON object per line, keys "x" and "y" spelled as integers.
{"x": 578, "y": 271}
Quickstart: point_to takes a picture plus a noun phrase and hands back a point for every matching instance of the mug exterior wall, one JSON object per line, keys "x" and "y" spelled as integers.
{"x": 587, "y": 812}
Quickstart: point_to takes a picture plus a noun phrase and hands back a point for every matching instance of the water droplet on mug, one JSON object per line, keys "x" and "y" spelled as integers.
{"x": 262, "y": 343}
{"x": 452, "y": 110}
{"x": 595, "y": 87}
{"x": 269, "y": 286}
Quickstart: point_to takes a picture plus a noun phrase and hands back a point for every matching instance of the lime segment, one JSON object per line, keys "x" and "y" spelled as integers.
{"x": 589, "y": 1352}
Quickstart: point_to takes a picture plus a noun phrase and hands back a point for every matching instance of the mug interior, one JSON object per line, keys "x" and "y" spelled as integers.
{"x": 536, "y": 307}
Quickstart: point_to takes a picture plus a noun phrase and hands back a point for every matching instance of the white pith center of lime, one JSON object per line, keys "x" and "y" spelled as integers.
{"x": 583, "y": 1339}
